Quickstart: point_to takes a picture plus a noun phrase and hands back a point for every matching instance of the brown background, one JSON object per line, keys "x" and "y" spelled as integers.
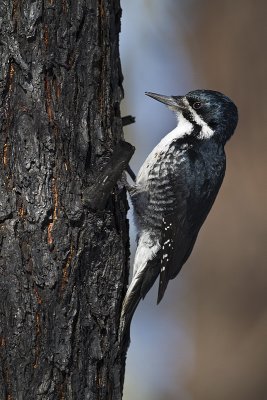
{"x": 224, "y": 284}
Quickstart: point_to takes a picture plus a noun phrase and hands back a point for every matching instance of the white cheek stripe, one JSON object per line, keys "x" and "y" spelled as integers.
{"x": 206, "y": 132}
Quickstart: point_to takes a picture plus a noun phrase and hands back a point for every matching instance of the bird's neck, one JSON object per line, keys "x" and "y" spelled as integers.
{"x": 184, "y": 127}
{"x": 182, "y": 130}
{"x": 190, "y": 123}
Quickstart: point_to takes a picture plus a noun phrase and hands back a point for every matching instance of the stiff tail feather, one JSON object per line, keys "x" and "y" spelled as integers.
{"x": 146, "y": 270}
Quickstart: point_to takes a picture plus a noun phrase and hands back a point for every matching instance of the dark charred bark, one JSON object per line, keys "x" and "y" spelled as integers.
{"x": 63, "y": 267}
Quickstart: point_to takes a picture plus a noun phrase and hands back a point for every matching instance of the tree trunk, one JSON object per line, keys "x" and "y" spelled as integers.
{"x": 63, "y": 267}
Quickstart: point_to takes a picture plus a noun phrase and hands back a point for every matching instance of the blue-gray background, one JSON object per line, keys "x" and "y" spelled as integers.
{"x": 207, "y": 338}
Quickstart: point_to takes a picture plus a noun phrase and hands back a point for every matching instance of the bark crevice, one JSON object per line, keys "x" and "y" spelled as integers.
{"x": 63, "y": 265}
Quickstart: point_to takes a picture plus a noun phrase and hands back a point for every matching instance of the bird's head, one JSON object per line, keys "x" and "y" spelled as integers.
{"x": 211, "y": 113}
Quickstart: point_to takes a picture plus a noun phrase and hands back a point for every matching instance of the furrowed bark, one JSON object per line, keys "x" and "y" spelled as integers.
{"x": 63, "y": 267}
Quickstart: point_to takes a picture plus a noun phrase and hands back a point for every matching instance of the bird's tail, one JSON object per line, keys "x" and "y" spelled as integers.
{"x": 129, "y": 306}
{"x": 146, "y": 270}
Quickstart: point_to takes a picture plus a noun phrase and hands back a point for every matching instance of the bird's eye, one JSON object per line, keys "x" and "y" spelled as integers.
{"x": 197, "y": 105}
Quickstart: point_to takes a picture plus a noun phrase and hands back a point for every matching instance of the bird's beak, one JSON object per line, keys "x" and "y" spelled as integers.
{"x": 174, "y": 102}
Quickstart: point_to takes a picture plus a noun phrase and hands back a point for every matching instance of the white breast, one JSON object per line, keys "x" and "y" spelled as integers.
{"x": 183, "y": 128}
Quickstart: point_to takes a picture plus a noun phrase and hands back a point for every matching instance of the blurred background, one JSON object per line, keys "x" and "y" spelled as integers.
{"x": 207, "y": 340}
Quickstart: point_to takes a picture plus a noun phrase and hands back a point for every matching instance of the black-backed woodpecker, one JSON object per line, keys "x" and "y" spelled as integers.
{"x": 175, "y": 190}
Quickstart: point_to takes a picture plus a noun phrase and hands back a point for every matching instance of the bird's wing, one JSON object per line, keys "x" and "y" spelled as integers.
{"x": 181, "y": 219}
{"x": 178, "y": 238}
{"x": 194, "y": 195}
{"x": 177, "y": 244}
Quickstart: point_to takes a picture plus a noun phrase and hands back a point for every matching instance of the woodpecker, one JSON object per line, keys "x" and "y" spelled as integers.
{"x": 175, "y": 190}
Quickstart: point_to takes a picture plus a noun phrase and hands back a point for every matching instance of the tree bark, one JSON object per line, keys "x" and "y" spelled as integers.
{"x": 63, "y": 267}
